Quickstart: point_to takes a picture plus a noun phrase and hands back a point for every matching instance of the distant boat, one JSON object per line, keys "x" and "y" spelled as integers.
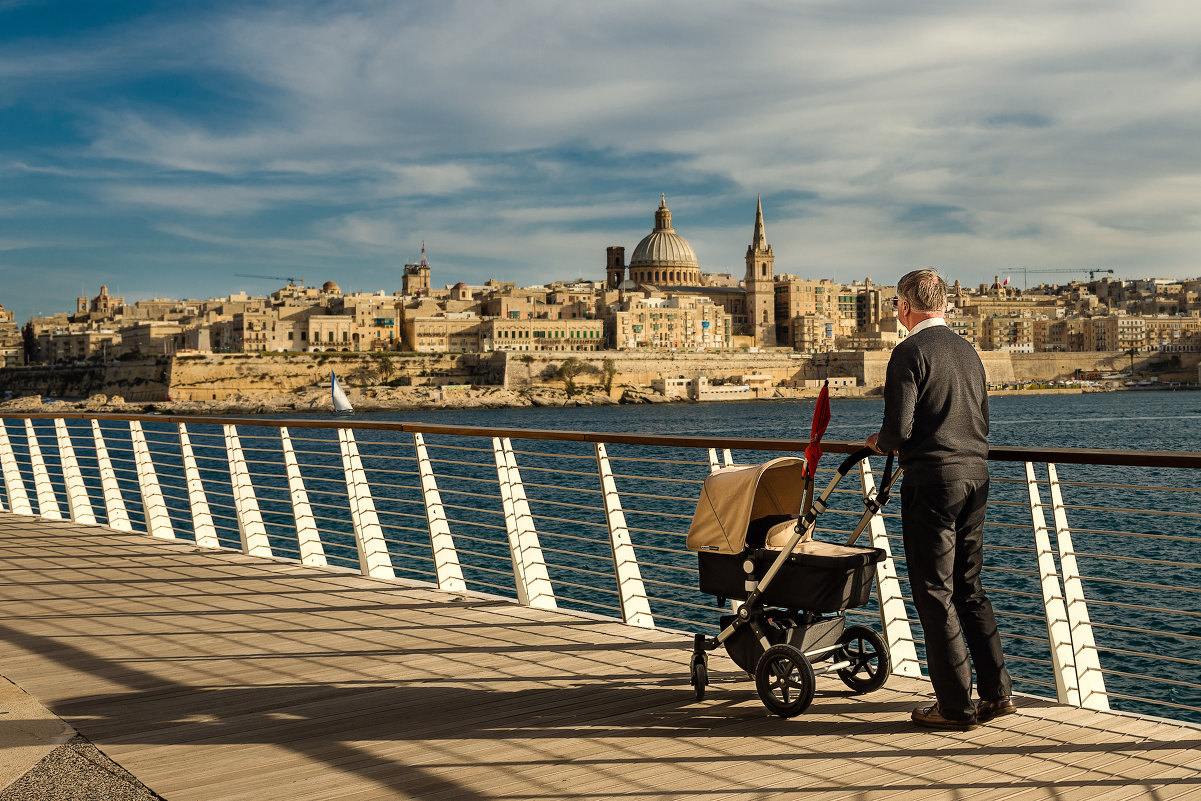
{"x": 341, "y": 403}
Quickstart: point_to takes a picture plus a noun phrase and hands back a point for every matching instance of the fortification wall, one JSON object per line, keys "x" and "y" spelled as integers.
{"x": 212, "y": 377}
{"x": 1049, "y": 366}
{"x": 142, "y": 380}
{"x": 638, "y": 370}
{"x": 219, "y": 376}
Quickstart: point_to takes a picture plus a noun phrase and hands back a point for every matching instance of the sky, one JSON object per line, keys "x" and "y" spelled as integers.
{"x": 166, "y": 149}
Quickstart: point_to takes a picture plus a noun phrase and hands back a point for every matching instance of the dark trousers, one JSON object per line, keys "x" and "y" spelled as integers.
{"x": 943, "y": 528}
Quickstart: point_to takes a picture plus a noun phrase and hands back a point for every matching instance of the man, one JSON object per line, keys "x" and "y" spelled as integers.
{"x": 936, "y": 418}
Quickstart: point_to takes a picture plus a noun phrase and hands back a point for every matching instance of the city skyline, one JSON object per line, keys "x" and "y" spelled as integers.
{"x": 162, "y": 150}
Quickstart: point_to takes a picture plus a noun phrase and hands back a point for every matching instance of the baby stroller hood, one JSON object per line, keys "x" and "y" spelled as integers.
{"x": 734, "y": 496}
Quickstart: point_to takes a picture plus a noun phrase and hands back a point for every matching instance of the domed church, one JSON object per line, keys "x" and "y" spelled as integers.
{"x": 663, "y": 257}
{"x": 664, "y": 261}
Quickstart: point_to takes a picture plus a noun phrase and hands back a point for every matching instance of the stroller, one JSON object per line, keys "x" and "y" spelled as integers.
{"x": 753, "y": 546}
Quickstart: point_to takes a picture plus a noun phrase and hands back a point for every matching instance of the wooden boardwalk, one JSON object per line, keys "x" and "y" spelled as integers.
{"x": 214, "y": 676}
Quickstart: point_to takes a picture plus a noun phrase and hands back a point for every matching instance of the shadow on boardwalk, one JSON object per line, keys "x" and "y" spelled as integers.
{"x": 216, "y": 676}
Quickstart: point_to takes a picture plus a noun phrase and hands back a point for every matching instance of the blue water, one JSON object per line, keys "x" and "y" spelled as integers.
{"x": 1159, "y": 420}
{"x": 659, "y": 487}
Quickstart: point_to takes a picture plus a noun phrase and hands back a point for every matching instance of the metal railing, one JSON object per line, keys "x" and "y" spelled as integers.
{"x": 1101, "y": 611}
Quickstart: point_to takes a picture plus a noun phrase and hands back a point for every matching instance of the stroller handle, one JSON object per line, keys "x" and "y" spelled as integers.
{"x": 855, "y": 458}
{"x": 862, "y": 454}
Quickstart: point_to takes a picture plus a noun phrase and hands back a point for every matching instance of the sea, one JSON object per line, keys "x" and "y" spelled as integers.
{"x": 1136, "y": 531}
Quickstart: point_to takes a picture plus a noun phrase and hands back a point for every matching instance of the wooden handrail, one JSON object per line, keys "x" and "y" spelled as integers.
{"x": 1086, "y": 456}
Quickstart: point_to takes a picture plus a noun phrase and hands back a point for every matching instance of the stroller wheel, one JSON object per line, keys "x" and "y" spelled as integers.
{"x": 868, "y": 655}
{"x": 698, "y": 672}
{"x": 784, "y": 679}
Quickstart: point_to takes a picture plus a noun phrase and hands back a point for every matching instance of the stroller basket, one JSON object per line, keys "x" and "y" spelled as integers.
{"x": 816, "y": 577}
{"x": 733, "y": 522}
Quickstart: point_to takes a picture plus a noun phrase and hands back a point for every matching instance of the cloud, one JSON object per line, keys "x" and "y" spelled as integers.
{"x": 530, "y": 135}
{"x": 209, "y": 200}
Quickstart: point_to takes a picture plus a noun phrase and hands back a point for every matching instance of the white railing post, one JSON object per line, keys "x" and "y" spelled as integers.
{"x": 14, "y": 485}
{"x": 77, "y": 492}
{"x": 635, "y": 606}
{"x": 446, "y": 556}
{"x": 158, "y": 521}
{"x": 898, "y": 633}
{"x": 114, "y": 502}
{"x": 1089, "y": 677}
{"x": 374, "y": 559}
{"x": 48, "y": 507}
{"x": 202, "y": 518}
{"x": 529, "y": 566}
{"x": 246, "y": 506}
{"x": 1059, "y": 634}
{"x": 727, "y": 459}
{"x": 308, "y": 538}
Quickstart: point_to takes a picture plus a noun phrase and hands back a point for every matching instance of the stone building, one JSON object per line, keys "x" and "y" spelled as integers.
{"x": 148, "y": 338}
{"x": 675, "y": 322}
{"x": 444, "y": 332}
{"x": 535, "y": 334}
{"x": 12, "y": 344}
{"x": 101, "y": 307}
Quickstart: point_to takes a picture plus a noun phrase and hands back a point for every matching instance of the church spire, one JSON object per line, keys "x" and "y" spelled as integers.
{"x": 759, "y": 238}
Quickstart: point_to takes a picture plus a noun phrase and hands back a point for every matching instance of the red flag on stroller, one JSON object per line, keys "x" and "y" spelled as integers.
{"x": 821, "y": 419}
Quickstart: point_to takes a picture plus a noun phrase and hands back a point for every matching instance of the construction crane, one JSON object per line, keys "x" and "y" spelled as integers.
{"x": 1091, "y": 273}
{"x": 291, "y": 281}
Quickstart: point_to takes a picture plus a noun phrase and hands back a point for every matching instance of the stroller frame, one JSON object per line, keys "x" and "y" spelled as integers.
{"x": 795, "y": 645}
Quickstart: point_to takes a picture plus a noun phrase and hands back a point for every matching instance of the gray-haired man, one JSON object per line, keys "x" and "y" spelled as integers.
{"x": 936, "y": 418}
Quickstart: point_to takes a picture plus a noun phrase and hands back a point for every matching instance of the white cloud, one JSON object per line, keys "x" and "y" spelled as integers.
{"x": 970, "y": 135}
{"x": 209, "y": 200}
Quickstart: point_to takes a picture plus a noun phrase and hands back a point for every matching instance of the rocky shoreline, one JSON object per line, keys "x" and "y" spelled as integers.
{"x": 370, "y": 399}
{"x": 399, "y": 399}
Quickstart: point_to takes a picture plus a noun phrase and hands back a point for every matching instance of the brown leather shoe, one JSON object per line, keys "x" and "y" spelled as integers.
{"x": 987, "y": 710}
{"x": 931, "y": 718}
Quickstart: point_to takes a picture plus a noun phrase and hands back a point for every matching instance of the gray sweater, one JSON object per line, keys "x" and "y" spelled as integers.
{"x": 936, "y": 408}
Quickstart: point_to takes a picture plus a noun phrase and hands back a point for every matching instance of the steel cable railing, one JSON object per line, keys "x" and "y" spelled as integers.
{"x": 596, "y": 523}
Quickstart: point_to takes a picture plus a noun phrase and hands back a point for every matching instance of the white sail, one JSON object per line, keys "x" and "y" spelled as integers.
{"x": 341, "y": 403}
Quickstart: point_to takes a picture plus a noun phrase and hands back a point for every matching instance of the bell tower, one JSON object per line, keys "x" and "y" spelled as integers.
{"x": 615, "y": 270}
{"x": 416, "y": 278}
{"x": 761, "y": 284}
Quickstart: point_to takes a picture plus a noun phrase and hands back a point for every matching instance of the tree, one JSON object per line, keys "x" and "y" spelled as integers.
{"x": 363, "y": 375}
{"x": 569, "y": 370}
{"x": 610, "y": 372}
{"x": 385, "y": 366}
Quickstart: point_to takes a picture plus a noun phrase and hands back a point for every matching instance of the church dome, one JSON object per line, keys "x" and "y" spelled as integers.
{"x": 330, "y": 286}
{"x": 663, "y": 257}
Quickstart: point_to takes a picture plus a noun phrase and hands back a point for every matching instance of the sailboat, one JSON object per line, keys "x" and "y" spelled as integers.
{"x": 341, "y": 403}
